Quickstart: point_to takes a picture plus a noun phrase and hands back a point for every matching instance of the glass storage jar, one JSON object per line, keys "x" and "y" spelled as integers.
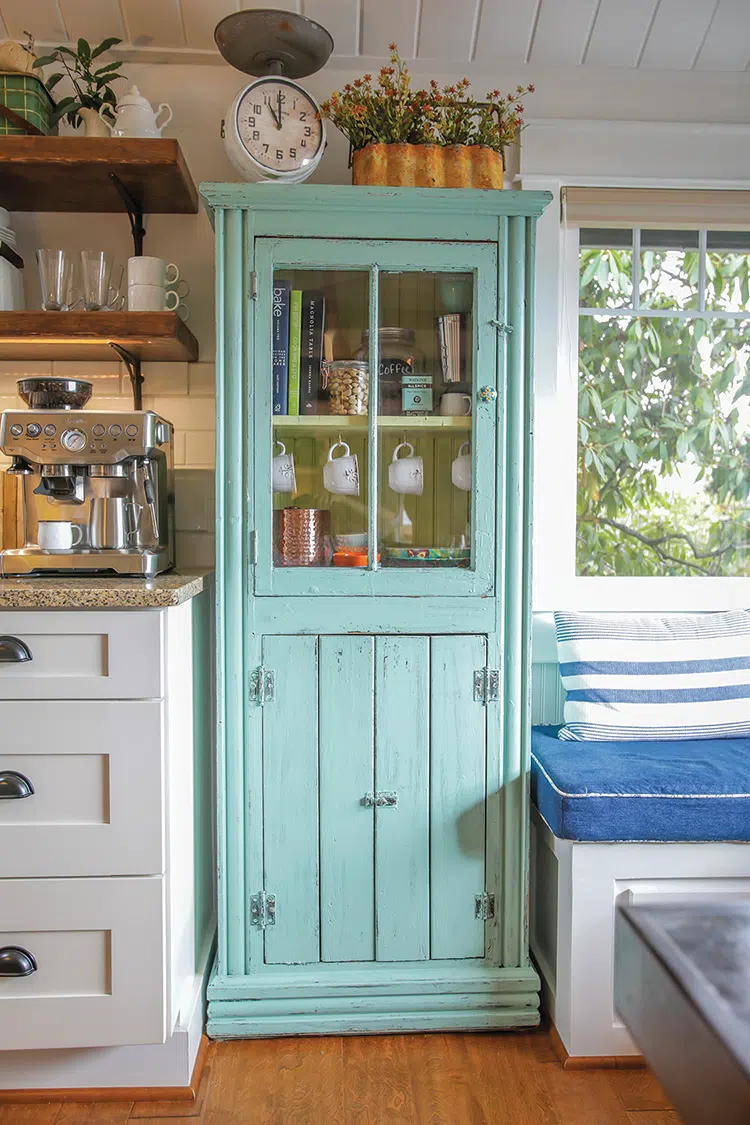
{"x": 398, "y": 356}
{"x": 348, "y": 381}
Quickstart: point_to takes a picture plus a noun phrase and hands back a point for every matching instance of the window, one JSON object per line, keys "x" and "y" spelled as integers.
{"x": 663, "y": 404}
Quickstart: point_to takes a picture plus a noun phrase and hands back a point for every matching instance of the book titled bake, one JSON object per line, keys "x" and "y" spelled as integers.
{"x": 280, "y": 345}
{"x": 295, "y": 342}
{"x": 311, "y": 350}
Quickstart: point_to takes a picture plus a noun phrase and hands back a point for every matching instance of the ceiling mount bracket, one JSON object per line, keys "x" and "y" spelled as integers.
{"x": 133, "y": 364}
{"x": 135, "y": 213}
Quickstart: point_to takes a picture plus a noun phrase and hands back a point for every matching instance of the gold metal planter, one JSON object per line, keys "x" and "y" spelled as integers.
{"x": 451, "y": 166}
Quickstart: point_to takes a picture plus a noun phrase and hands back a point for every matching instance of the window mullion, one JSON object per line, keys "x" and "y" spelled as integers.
{"x": 702, "y": 251}
{"x": 636, "y": 270}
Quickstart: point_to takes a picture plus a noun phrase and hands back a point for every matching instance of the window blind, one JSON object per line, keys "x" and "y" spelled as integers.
{"x": 659, "y": 208}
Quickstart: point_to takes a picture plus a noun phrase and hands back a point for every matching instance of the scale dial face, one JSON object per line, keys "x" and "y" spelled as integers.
{"x": 279, "y": 129}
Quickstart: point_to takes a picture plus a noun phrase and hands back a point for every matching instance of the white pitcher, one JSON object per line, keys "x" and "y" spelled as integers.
{"x": 134, "y": 116}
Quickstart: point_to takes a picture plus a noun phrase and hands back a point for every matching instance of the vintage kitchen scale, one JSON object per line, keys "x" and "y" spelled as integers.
{"x": 274, "y": 130}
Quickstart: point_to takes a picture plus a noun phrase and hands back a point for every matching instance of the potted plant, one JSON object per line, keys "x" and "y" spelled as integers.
{"x": 92, "y": 87}
{"x": 438, "y": 137}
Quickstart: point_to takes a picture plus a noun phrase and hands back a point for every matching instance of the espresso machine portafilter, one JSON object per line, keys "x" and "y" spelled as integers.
{"x": 108, "y": 472}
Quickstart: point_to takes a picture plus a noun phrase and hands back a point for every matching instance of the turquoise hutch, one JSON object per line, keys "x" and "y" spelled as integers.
{"x": 373, "y": 563}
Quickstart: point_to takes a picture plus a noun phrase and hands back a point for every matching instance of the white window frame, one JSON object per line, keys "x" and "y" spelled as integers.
{"x": 556, "y": 585}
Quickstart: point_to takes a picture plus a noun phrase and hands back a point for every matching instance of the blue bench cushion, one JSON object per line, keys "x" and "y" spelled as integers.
{"x": 655, "y": 791}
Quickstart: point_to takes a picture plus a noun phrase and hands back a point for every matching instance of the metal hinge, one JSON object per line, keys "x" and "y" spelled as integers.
{"x": 262, "y": 686}
{"x": 486, "y": 685}
{"x": 380, "y": 800}
{"x": 253, "y": 547}
{"x": 253, "y": 286}
{"x": 263, "y": 910}
{"x": 503, "y": 328}
{"x": 484, "y": 906}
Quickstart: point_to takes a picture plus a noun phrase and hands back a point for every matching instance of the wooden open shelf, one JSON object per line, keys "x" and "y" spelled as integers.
{"x": 359, "y": 422}
{"x": 73, "y": 174}
{"x": 88, "y": 335}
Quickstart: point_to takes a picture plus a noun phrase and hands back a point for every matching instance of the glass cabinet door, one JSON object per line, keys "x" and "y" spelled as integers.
{"x": 375, "y": 417}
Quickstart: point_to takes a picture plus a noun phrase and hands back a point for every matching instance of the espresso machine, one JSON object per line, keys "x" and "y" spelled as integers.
{"x": 101, "y": 482}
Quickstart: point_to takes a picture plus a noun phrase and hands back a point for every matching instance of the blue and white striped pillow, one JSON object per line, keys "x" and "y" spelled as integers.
{"x": 685, "y": 675}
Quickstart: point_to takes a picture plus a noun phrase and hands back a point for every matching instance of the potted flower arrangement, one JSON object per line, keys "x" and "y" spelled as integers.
{"x": 438, "y": 137}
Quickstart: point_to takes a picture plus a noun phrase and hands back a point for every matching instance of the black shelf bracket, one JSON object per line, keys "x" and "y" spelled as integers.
{"x": 135, "y": 214}
{"x": 133, "y": 364}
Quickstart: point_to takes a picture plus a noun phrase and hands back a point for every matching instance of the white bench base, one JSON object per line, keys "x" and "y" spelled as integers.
{"x": 574, "y": 890}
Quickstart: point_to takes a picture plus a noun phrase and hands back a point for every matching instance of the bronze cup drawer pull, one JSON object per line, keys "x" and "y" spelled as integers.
{"x": 14, "y": 651}
{"x": 14, "y": 786}
{"x": 16, "y": 962}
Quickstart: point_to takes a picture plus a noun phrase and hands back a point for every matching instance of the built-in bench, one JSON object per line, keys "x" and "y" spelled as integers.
{"x": 627, "y": 822}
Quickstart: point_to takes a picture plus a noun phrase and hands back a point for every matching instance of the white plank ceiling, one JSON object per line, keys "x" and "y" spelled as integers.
{"x": 652, "y": 34}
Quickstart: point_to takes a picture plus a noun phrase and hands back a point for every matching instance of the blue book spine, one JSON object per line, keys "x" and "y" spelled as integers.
{"x": 280, "y": 345}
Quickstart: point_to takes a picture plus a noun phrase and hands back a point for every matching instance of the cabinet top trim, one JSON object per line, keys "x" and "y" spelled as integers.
{"x": 342, "y": 197}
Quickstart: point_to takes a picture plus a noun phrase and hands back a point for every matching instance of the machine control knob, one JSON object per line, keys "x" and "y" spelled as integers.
{"x": 16, "y": 429}
{"x": 162, "y": 433}
{"x": 50, "y": 430}
{"x": 131, "y": 430}
{"x": 33, "y": 429}
{"x": 115, "y": 430}
{"x": 99, "y": 430}
{"x": 74, "y": 441}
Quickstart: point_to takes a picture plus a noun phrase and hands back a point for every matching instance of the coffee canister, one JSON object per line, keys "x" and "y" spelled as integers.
{"x": 302, "y": 536}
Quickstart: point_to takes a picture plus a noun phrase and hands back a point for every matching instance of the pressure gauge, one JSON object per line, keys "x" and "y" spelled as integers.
{"x": 74, "y": 441}
{"x": 274, "y": 130}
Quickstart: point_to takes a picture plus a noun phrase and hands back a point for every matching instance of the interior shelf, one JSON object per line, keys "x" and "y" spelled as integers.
{"x": 359, "y": 422}
{"x": 90, "y": 335}
{"x": 75, "y": 174}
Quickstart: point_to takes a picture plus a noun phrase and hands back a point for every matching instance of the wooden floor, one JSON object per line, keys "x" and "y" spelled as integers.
{"x": 493, "y": 1079}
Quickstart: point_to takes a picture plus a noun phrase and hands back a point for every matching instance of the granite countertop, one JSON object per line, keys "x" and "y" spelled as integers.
{"x": 86, "y": 592}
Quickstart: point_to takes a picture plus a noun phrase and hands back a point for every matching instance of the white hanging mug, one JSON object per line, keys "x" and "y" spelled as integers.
{"x": 341, "y": 474}
{"x": 461, "y": 468}
{"x": 283, "y": 476}
{"x": 406, "y": 474}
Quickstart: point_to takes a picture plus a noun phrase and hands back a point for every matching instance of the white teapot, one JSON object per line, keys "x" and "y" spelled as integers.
{"x": 134, "y": 116}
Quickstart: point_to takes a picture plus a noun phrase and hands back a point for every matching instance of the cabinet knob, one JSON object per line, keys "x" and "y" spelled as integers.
{"x": 487, "y": 394}
{"x": 16, "y": 962}
{"x": 14, "y": 651}
{"x": 14, "y": 786}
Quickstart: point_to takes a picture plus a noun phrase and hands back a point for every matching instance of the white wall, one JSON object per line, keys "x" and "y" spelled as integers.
{"x": 199, "y": 96}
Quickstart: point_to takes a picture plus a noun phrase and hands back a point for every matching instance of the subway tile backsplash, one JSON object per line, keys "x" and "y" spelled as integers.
{"x": 182, "y": 393}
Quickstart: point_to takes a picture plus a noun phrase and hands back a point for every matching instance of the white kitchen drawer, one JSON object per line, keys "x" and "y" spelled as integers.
{"x": 96, "y": 768}
{"x": 83, "y": 655}
{"x": 99, "y": 946}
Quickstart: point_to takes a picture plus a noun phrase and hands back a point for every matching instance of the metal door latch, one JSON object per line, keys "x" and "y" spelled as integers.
{"x": 502, "y": 328}
{"x": 263, "y": 910}
{"x": 484, "y": 906}
{"x": 262, "y": 686}
{"x": 380, "y": 800}
{"x": 486, "y": 685}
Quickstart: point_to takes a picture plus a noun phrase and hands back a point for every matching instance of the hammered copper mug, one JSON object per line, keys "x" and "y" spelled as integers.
{"x": 301, "y": 536}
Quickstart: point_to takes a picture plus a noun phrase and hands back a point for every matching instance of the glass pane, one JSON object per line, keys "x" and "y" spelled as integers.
{"x": 728, "y": 271}
{"x": 319, "y": 455}
{"x": 669, "y": 269}
{"x": 606, "y": 269}
{"x": 426, "y": 382}
{"x": 664, "y": 423}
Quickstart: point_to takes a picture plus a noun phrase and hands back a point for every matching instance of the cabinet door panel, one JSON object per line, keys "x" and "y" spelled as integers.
{"x": 347, "y": 827}
{"x": 402, "y": 833}
{"x": 290, "y": 800}
{"x": 457, "y": 797}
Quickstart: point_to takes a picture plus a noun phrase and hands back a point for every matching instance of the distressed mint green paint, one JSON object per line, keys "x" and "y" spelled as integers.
{"x": 364, "y": 662}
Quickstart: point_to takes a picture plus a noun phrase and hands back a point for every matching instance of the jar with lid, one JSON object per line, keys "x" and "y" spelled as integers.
{"x": 347, "y": 382}
{"x": 399, "y": 356}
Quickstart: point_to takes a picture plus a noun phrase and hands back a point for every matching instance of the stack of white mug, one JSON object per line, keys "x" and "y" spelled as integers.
{"x": 152, "y": 289}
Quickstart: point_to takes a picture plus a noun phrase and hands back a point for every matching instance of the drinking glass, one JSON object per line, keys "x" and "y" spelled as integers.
{"x": 98, "y": 291}
{"x": 56, "y": 274}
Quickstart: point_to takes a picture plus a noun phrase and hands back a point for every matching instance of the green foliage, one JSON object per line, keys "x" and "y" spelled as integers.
{"x": 664, "y": 419}
{"x": 92, "y": 87}
{"x": 391, "y": 112}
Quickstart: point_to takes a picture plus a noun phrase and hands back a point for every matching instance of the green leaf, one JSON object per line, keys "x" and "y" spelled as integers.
{"x": 108, "y": 68}
{"x": 84, "y": 50}
{"x": 105, "y": 46}
{"x": 46, "y": 60}
{"x": 52, "y": 81}
{"x": 62, "y": 108}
